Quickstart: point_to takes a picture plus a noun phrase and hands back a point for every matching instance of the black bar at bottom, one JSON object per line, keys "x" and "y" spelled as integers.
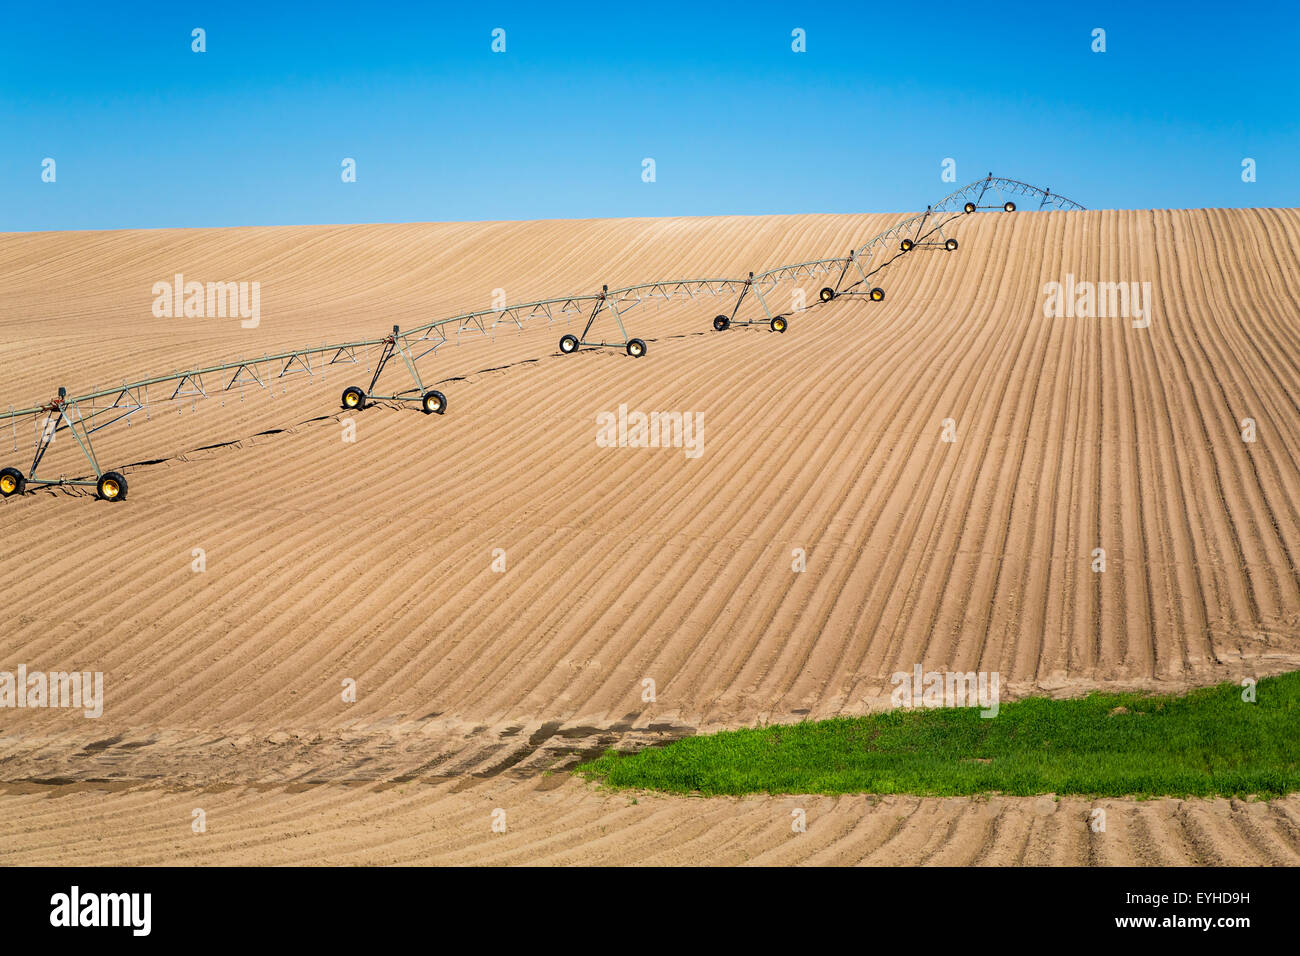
{"x": 933, "y": 908}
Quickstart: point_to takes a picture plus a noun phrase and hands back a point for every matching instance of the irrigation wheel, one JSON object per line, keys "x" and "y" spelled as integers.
{"x": 434, "y": 403}
{"x": 635, "y": 348}
{"x": 877, "y": 294}
{"x": 1009, "y": 206}
{"x": 353, "y": 398}
{"x": 111, "y": 486}
{"x": 968, "y": 208}
{"x": 721, "y": 323}
{"x": 12, "y": 483}
{"x": 826, "y": 294}
{"x": 906, "y": 245}
{"x": 950, "y": 245}
{"x": 569, "y": 343}
{"x": 779, "y": 324}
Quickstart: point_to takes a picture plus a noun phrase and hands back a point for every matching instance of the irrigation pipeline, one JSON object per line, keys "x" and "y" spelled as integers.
{"x": 921, "y": 230}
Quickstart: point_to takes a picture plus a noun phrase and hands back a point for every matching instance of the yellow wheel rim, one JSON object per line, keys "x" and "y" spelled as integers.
{"x": 352, "y": 400}
{"x": 877, "y": 296}
{"x": 111, "y": 489}
{"x": 636, "y": 350}
{"x": 7, "y": 484}
{"x": 780, "y": 325}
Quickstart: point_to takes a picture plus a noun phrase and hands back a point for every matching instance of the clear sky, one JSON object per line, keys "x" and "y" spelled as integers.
{"x": 145, "y": 132}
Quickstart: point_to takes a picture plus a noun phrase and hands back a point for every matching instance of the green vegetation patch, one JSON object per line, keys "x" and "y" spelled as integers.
{"x": 1208, "y": 742}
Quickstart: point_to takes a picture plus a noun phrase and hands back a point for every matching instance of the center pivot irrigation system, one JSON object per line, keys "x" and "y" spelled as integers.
{"x": 83, "y": 415}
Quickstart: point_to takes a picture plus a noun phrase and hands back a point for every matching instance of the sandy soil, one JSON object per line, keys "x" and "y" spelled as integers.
{"x": 372, "y": 560}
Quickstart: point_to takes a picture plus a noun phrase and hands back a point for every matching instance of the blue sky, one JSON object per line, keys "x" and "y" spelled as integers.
{"x": 147, "y": 133}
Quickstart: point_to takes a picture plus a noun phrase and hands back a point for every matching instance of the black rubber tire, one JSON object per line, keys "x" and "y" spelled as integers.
{"x": 779, "y": 324}
{"x": 968, "y": 208}
{"x": 907, "y": 245}
{"x": 826, "y": 294}
{"x": 721, "y": 323}
{"x": 434, "y": 403}
{"x": 111, "y": 487}
{"x": 877, "y": 294}
{"x": 568, "y": 344}
{"x": 12, "y": 483}
{"x": 950, "y": 245}
{"x": 635, "y": 348}
{"x": 1009, "y": 206}
{"x": 353, "y": 399}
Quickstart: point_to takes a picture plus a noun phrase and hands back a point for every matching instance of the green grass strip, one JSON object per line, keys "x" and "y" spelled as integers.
{"x": 1206, "y": 743}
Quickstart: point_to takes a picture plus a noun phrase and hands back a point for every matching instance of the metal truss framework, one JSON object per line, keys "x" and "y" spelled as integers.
{"x": 83, "y": 415}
